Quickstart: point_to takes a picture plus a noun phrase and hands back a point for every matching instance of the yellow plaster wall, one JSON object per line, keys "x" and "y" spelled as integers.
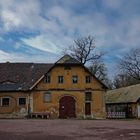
{"x": 53, "y": 106}
{"x": 14, "y": 108}
{"x": 68, "y": 88}
{"x": 97, "y": 104}
{"x": 75, "y": 70}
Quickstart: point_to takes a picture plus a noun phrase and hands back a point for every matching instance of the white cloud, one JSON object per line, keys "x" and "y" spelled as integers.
{"x": 60, "y": 24}
{"x": 113, "y": 4}
{"x": 4, "y": 56}
{"x": 20, "y": 57}
{"x": 42, "y": 43}
{"x": 1, "y": 39}
{"x": 17, "y": 45}
{"x": 19, "y": 14}
{"x": 10, "y": 19}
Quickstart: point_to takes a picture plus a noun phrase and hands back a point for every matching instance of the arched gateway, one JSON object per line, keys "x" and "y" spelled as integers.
{"x": 67, "y": 107}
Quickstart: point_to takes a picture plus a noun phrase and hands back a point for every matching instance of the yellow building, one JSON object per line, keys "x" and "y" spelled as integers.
{"x": 65, "y": 89}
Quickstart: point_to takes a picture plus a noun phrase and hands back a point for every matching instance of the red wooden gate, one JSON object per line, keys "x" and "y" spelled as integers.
{"x": 67, "y": 107}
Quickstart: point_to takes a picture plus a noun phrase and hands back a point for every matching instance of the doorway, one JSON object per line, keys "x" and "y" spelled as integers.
{"x": 67, "y": 107}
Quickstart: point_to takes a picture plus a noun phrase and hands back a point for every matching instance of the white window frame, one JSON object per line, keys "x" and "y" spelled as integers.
{"x": 25, "y": 101}
{"x": 60, "y": 79}
{"x": 2, "y": 101}
{"x": 48, "y": 78}
{"x": 88, "y": 79}
{"x": 50, "y": 97}
{"x": 75, "y": 76}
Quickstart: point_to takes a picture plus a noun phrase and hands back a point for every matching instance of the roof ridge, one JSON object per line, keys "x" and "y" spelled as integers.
{"x": 125, "y": 87}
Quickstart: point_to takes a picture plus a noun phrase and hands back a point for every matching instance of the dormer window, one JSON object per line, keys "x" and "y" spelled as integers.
{"x": 7, "y": 82}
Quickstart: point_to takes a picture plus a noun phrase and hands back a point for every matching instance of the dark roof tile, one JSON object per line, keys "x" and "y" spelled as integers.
{"x": 21, "y": 76}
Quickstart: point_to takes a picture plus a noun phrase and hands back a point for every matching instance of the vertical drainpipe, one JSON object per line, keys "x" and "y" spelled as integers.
{"x": 105, "y": 111}
{"x": 29, "y": 105}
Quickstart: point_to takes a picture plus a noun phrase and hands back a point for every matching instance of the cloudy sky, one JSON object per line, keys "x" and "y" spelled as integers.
{"x": 37, "y": 30}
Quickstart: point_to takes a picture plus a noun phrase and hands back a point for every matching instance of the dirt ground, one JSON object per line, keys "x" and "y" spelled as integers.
{"x": 69, "y": 129}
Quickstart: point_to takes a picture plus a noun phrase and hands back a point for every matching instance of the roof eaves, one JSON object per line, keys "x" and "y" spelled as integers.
{"x": 36, "y": 82}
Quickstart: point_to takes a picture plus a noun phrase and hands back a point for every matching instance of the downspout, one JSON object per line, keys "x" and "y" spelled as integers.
{"x": 29, "y": 105}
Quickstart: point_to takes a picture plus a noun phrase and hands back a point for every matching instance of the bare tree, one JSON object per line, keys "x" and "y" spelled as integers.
{"x": 130, "y": 64}
{"x": 99, "y": 69}
{"x": 84, "y": 50}
{"x": 123, "y": 80}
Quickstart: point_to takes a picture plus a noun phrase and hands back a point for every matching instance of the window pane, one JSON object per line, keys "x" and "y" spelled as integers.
{"x": 88, "y": 96}
{"x": 22, "y": 101}
{"x": 75, "y": 79}
{"x": 48, "y": 79}
{"x": 88, "y": 79}
{"x": 47, "y": 97}
{"x": 5, "y": 101}
{"x": 60, "y": 79}
{"x": 67, "y": 68}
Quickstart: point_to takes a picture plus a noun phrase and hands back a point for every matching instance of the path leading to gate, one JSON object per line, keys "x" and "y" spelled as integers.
{"x": 69, "y": 129}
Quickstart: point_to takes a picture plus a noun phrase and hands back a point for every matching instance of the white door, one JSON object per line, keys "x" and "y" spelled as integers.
{"x": 138, "y": 111}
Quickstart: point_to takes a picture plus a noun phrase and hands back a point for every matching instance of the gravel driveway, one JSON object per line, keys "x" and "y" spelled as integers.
{"x": 69, "y": 129}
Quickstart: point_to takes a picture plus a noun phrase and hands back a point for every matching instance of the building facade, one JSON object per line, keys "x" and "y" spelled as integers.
{"x": 123, "y": 102}
{"x": 65, "y": 89}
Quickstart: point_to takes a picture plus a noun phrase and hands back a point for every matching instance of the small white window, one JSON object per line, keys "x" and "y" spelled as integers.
{"x": 88, "y": 79}
{"x": 5, "y": 101}
{"x": 75, "y": 79}
{"x": 60, "y": 79}
{"x": 22, "y": 101}
{"x": 47, "y": 96}
{"x": 48, "y": 79}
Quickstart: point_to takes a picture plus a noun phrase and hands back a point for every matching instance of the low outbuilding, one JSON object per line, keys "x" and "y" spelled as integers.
{"x": 123, "y": 102}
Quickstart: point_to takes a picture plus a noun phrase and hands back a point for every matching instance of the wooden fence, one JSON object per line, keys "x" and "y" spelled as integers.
{"x": 116, "y": 115}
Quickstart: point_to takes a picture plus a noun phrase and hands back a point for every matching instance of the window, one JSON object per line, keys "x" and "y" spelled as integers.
{"x": 48, "y": 79}
{"x": 5, "y": 101}
{"x": 88, "y": 79}
{"x": 60, "y": 79}
{"x": 22, "y": 101}
{"x": 88, "y": 96}
{"x": 47, "y": 97}
{"x": 67, "y": 68}
{"x": 75, "y": 79}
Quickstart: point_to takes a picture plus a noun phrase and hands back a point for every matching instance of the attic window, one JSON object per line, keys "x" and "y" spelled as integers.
{"x": 60, "y": 79}
{"x": 75, "y": 79}
{"x": 67, "y": 68}
{"x": 47, "y": 78}
{"x": 88, "y": 79}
